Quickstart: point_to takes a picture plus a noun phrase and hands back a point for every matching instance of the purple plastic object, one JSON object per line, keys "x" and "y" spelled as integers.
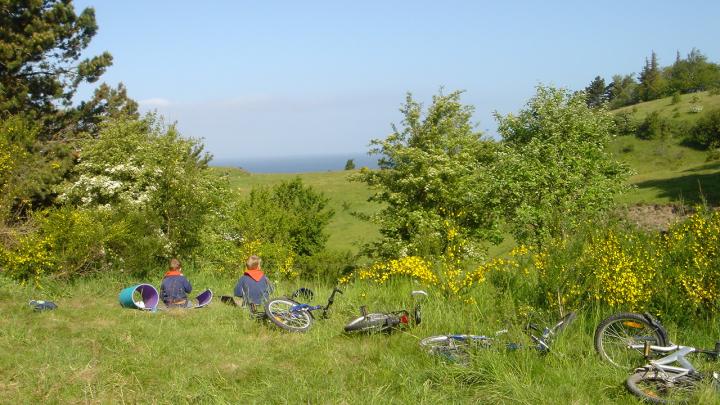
{"x": 204, "y": 298}
{"x": 147, "y": 295}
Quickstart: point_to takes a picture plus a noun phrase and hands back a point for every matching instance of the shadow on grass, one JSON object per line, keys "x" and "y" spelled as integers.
{"x": 689, "y": 189}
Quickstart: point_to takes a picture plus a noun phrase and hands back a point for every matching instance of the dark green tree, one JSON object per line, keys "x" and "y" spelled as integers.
{"x": 595, "y": 93}
{"x": 695, "y": 73}
{"x": 622, "y": 91}
{"x": 350, "y": 164}
{"x": 107, "y": 103}
{"x": 41, "y": 43}
{"x": 652, "y": 83}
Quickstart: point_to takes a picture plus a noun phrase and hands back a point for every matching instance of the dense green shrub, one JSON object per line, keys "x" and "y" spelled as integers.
{"x": 68, "y": 242}
{"x": 289, "y": 213}
{"x": 624, "y": 123}
{"x": 554, "y": 168}
{"x": 654, "y": 126}
{"x": 707, "y": 129}
{"x": 146, "y": 167}
{"x": 676, "y": 273}
{"x": 434, "y": 183}
{"x": 326, "y": 265}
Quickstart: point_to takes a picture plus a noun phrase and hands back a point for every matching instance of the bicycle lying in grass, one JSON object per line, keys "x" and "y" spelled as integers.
{"x": 668, "y": 376}
{"x": 293, "y": 316}
{"x": 387, "y": 321}
{"x": 458, "y": 347}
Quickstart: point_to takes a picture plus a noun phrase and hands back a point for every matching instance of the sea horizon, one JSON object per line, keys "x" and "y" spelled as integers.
{"x": 298, "y": 163}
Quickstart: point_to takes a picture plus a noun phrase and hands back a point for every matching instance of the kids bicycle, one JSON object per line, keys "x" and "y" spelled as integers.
{"x": 668, "y": 376}
{"x": 457, "y": 347}
{"x": 387, "y": 321}
{"x": 293, "y": 316}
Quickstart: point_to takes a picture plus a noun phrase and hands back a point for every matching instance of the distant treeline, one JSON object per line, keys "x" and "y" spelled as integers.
{"x": 686, "y": 75}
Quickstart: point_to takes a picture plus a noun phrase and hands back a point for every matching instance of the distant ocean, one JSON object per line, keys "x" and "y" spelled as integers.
{"x": 298, "y": 164}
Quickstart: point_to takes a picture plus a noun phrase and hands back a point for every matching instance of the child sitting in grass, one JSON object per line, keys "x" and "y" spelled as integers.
{"x": 175, "y": 286}
{"x": 253, "y": 287}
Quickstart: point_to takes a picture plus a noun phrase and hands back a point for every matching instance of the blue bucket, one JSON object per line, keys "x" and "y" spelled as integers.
{"x": 140, "y": 296}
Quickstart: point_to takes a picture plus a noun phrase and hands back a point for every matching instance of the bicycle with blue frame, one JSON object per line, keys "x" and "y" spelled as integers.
{"x": 457, "y": 347}
{"x": 294, "y": 316}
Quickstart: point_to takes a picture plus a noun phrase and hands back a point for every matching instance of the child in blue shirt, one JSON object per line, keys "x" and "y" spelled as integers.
{"x": 175, "y": 287}
{"x": 253, "y": 287}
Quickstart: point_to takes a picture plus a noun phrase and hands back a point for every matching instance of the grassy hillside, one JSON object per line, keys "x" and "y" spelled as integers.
{"x": 680, "y": 112}
{"x": 665, "y": 170}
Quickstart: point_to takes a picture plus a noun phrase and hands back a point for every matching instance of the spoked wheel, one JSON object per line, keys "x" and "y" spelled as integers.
{"x": 619, "y": 339}
{"x": 454, "y": 348}
{"x": 370, "y": 323}
{"x": 662, "y": 387}
{"x": 280, "y": 312}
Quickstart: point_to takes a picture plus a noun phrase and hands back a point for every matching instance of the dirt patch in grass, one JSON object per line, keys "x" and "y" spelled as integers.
{"x": 656, "y": 217}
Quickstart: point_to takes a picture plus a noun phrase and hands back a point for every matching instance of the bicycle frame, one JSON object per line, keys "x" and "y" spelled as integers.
{"x": 309, "y": 308}
{"x": 677, "y": 356}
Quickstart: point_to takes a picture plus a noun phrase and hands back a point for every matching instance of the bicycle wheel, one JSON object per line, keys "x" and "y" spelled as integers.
{"x": 455, "y": 348}
{"x": 279, "y": 311}
{"x": 615, "y": 336}
{"x": 370, "y": 323}
{"x": 563, "y": 323}
{"x": 662, "y": 387}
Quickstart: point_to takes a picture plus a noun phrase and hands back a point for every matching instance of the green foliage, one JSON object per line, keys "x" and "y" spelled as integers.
{"x": 433, "y": 182}
{"x": 707, "y": 130}
{"x": 289, "y": 214}
{"x": 326, "y": 265}
{"x": 595, "y": 93}
{"x": 143, "y": 166}
{"x": 624, "y": 123}
{"x": 692, "y": 74}
{"x": 69, "y": 242}
{"x": 622, "y": 91}
{"x": 676, "y": 98}
{"x": 554, "y": 167}
{"x": 32, "y": 169}
{"x": 106, "y": 104}
{"x": 652, "y": 83}
{"x": 350, "y": 164}
{"x": 40, "y": 45}
{"x": 655, "y": 127}
{"x": 673, "y": 273}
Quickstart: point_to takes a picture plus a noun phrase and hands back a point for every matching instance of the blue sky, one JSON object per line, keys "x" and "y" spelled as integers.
{"x": 270, "y": 78}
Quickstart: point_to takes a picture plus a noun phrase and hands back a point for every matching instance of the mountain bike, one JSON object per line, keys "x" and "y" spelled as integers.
{"x": 667, "y": 376}
{"x": 458, "y": 347}
{"x": 387, "y": 321}
{"x": 294, "y": 316}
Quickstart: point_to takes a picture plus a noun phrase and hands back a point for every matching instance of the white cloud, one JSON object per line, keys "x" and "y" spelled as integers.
{"x": 155, "y": 102}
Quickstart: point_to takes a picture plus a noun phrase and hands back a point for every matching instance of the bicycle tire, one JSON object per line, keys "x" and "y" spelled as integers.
{"x": 564, "y": 322}
{"x": 370, "y": 323}
{"x": 616, "y": 333}
{"x": 278, "y": 312}
{"x": 665, "y": 388}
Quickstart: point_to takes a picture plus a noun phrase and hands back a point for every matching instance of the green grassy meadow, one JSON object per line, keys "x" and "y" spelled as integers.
{"x": 90, "y": 350}
{"x": 680, "y": 112}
